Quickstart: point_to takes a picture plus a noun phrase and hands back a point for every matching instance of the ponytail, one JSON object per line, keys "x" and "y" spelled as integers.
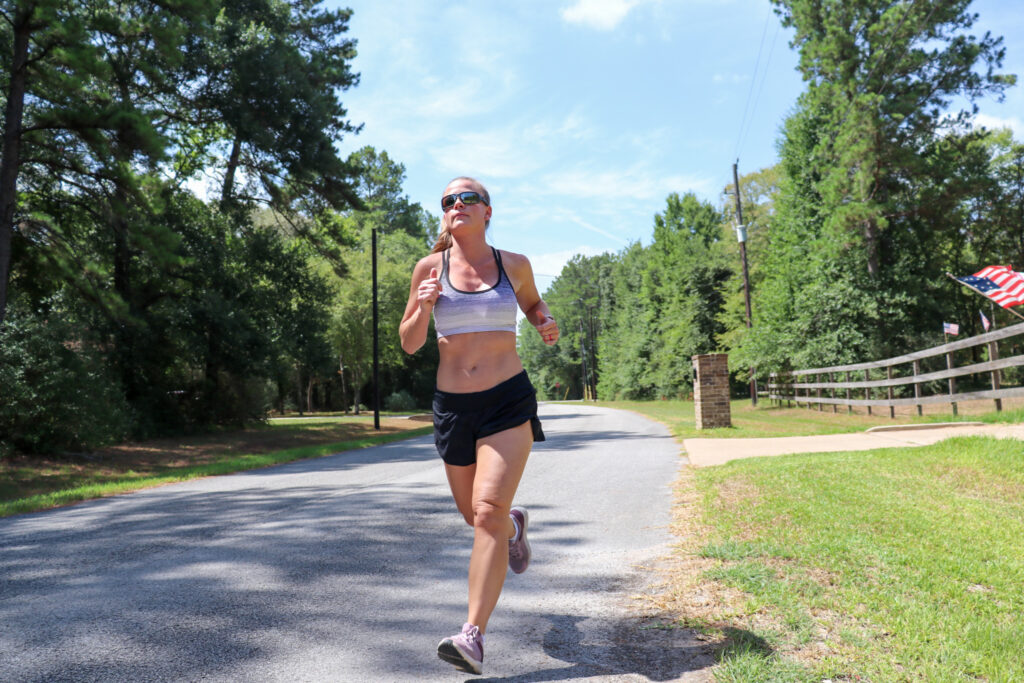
{"x": 444, "y": 241}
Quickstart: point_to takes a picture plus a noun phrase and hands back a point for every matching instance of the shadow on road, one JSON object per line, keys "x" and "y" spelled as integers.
{"x": 592, "y": 647}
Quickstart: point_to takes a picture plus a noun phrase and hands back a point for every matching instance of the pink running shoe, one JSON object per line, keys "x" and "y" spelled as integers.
{"x": 519, "y": 552}
{"x": 465, "y": 651}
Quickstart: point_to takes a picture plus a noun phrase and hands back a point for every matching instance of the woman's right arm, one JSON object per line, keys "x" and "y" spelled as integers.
{"x": 423, "y": 292}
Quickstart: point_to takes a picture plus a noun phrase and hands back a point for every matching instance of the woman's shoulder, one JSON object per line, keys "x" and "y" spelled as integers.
{"x": 431, "y": 260}
{"x": 517, "y": 267}
{"x": 513, "y": 260}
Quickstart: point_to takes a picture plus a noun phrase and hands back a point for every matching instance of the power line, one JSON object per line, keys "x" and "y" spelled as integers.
{"x": 753, "y": 79}
{"x": 757, "y": 98}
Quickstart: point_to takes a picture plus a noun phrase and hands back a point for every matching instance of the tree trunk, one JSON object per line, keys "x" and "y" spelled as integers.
{"x": 344, "y": 391}
{"x": 10, "y": 163}
{"x": 298, "y": 386}
{"x": 871, "y": 245}
{"x": 355, "y": 392}
{"x": 229, "y": 173}
{"x": 309, "y": 394}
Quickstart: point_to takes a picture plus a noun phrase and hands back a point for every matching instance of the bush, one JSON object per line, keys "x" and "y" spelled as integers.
{"x": 400, "y": 401}
{"x": 56, "y": 394}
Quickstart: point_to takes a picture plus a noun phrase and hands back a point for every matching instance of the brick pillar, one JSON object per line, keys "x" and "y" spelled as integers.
{"x": 711, "y": 390}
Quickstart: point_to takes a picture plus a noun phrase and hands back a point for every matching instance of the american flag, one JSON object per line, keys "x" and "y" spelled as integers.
{"x": 985, "y": 321}
{"x": 999, "y": 283}
{"x": 950, "y": 328}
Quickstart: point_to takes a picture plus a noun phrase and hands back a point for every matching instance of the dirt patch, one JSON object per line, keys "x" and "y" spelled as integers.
{"x": 26, "y": 475}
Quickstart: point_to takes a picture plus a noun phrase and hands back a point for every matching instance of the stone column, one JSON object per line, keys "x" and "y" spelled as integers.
{"x": 711, "y": 390}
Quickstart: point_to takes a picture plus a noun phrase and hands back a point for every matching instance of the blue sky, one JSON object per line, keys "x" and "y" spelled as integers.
{"x": 581, "y": 116}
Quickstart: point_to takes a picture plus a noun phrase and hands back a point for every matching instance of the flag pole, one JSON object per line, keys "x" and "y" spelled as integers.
{"x": 951, "y": 277}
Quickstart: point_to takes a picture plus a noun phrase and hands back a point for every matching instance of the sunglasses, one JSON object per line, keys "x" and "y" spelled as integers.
{"x": 467, "y": 198}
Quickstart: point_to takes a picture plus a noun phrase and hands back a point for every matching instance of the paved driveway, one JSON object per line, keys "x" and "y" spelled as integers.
{"x": 704, "y": 452}
{"x": 350, "y": 568}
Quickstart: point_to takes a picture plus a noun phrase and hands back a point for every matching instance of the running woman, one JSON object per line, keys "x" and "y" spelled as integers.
{"x": 485, "y": 409}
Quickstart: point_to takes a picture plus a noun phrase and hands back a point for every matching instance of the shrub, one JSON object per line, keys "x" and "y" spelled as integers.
{"x": 57, "y": 395}
{"x": 400, "y": 401}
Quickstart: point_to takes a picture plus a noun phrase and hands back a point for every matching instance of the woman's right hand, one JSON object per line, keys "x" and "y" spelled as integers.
{"x": 429, "y": 289}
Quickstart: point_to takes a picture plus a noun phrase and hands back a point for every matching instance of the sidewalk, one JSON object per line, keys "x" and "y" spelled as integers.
{"x": 705, "y": 452}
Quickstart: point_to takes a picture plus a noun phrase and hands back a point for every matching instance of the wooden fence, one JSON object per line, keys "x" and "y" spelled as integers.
{"x": 901, "y": 371}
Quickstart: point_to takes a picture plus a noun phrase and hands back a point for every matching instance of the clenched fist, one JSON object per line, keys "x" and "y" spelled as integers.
{"x": 548, "y": 330}
{"x": 429, "y": 290}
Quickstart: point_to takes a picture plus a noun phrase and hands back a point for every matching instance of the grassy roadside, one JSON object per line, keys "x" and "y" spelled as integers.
{"x": 29, "y": 484}
{"x": 889, "y": 565}
{"x": 767, "y": 421}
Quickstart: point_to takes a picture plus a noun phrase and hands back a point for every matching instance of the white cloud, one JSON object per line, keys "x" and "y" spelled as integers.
{"x": 635, "y": 182}
{"x": 512, "y": 150}
{"x": 603, "y": 15}
{"x": 1014, "y": 123}
{"x": 549, "y": 265}
{"x": 593, "y": 228}
{"x": 730, "y": 78}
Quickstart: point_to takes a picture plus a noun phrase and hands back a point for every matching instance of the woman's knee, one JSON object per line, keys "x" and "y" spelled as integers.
{"x": 490, "y": 516}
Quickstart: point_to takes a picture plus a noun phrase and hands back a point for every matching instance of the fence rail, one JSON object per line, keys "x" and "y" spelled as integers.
{"x": 788, "y": 387}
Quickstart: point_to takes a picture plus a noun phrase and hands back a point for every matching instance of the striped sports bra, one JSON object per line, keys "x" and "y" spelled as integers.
{"x": 489, "y": 310}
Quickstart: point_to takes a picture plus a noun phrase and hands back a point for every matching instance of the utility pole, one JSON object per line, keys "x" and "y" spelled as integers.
{"x": 583, "y": 360}
{"x": 741, "y": 235}
{"x": 376, "y": 340}
{"x": 593, "y": 356}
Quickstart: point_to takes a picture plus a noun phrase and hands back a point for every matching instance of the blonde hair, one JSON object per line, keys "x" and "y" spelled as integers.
{"x": 444, "y": 240}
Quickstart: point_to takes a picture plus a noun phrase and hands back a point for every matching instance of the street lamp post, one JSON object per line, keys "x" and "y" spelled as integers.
{"x": 376, "y": 339}
{"x": 741, "y": 235}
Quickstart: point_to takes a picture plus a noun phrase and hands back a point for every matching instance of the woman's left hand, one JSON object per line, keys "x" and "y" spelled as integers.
{"x": 548, "y": 330}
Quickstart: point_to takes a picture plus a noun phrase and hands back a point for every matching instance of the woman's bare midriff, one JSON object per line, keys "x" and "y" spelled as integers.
{"x": 476, "y": 361}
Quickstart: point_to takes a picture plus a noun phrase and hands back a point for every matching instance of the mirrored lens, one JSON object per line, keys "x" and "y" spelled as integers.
{"x": 468, "y": 198}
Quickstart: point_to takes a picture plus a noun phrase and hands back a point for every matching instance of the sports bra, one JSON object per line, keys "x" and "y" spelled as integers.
{"x": 489, "y": 310}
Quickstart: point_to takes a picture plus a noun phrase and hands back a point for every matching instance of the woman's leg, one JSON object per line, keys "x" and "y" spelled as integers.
{"x": 500, "y": 460}
{"x": 460, "y": 479}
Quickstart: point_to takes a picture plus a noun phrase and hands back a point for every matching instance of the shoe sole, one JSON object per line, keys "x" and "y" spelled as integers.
{"x": 450, "y": 652}
{"x": 526, "y": 540}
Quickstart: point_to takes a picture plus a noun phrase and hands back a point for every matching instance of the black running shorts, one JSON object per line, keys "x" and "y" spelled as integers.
{"x": 461, "y": 419}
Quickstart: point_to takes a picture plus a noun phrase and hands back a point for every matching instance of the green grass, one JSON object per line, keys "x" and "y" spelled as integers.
{"x": 896, "y": 564}
{"x": 767, "y": 420}
{"x": 76, "y": 485}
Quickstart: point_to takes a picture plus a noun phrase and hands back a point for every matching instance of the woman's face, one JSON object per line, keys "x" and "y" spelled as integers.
{"x": 461, "y": 217}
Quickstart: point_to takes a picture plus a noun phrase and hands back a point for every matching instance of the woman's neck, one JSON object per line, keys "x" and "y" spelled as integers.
{"x": 472, "y": 249}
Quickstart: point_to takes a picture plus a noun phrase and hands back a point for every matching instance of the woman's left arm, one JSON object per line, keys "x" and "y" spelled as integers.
{"x": 520, "y": 273}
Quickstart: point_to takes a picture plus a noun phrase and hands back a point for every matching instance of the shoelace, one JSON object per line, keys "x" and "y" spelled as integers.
{"x": 515, "y": 550}
{"x": 473, "y": 637}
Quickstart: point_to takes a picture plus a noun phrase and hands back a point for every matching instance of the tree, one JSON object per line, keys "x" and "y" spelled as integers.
{"x": 579, "y": 299}
{"x": 403, "y": 230}
{"x": 682, "y": 288}
{"x": 875, "y": 173}
{"x": 272, "y": 76}
{"x": 882, "y": 74}
{"x": 627, "y": 340}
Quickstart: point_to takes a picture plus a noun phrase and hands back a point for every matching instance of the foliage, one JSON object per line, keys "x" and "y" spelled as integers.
{"x": 634, "y": 319}
{"x": 403, "y": 230}
{"x": 57, "y": 395}
{"x": 207, "y": 312}
{"x": 400, "y": 401}
{"x": 875, "y": 179}
{"x": 577, "y": 300}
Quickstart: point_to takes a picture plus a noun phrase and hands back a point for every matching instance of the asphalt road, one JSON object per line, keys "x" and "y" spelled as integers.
{"x": 351, "y": 568}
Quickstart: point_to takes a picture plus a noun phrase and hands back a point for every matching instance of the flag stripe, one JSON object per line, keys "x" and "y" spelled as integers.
{"x": 1000, "y": 283}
